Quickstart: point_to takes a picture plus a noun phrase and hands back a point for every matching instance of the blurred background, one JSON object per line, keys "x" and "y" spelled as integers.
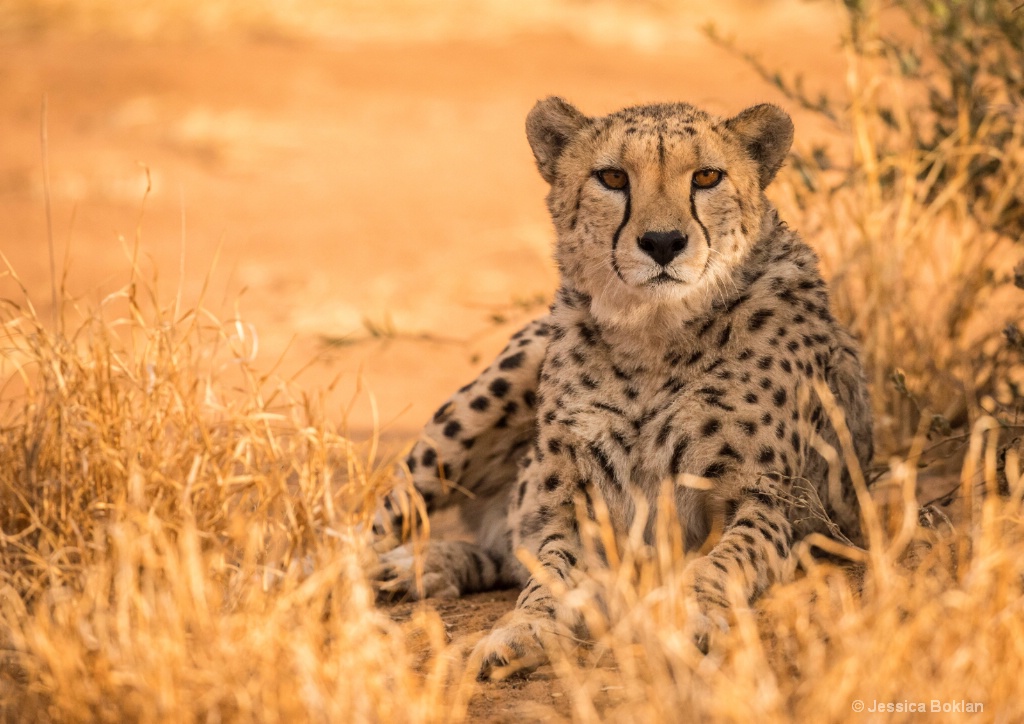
{"x": 350, "y": 177}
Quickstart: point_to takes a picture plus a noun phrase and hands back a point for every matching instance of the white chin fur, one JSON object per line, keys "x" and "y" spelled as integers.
{"x": 634, "y": 307}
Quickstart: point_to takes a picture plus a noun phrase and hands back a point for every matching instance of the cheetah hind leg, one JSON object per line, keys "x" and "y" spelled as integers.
{"x": 447, "y": 569}
{"x": 471, "y": 448}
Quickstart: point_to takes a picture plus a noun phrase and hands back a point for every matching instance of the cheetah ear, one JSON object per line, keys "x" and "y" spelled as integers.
{"x": 550, "y": 125}
{"x": 766, "y": 132}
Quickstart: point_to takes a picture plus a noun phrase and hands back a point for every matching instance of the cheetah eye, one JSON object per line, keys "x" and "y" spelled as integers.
{"x": 707, "y": 178}
{"x": 612, "y": 178}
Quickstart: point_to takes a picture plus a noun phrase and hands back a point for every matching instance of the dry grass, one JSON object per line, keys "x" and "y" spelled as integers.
{"x": 916, "y": 242}
{"x": 923, "y": 303}
{"x": 183, "y": 537}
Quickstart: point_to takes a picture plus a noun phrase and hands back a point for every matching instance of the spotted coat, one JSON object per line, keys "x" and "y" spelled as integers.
{"x": 690, "y": 341}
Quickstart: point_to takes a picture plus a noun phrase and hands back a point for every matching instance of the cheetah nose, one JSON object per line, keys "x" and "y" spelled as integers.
{"x": 662, "y": 246}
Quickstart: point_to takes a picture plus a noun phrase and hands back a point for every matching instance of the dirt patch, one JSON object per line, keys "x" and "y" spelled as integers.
{"x": 466, "y": 619}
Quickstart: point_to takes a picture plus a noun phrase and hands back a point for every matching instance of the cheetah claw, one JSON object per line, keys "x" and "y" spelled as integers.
{"x": 705, "y": 627}
{"x": 514, "y": 649}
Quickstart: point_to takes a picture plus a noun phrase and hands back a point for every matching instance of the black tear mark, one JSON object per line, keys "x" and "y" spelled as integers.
{"x": 618, "y": 232}
{"x": 693, "y": 211}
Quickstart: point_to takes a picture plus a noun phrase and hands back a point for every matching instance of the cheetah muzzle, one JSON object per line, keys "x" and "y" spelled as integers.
{"x": 689, "y": 339}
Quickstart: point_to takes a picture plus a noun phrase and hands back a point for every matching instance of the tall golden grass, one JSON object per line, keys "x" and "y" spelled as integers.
{"x": 181, "y": 537}
{"x": 184, "y": 537}
{"x": 919, "y": 236}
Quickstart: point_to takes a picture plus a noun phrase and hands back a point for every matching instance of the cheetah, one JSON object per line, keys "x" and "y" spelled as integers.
{"x": 690, "y": 339}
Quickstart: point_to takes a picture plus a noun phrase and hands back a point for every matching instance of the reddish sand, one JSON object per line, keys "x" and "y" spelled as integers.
{"x": 384, "y": 182}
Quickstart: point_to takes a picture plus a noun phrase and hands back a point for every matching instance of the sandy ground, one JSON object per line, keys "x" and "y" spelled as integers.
{"x": 328, "y": 187}
{"x": 538, "y": 696}
{"x": 331, "y": 185}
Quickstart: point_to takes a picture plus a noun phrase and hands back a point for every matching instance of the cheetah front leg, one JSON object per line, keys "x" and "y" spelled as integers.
{"x": 548, "y": 529}
{"x": 753, "y": 553}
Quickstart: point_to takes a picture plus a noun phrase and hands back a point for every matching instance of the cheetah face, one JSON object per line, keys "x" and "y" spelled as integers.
{"x": 655, "y": 204}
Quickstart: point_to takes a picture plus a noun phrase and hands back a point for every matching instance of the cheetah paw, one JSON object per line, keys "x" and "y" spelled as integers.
{"x": 511, "y": 649}
{"x": 705, "y": 628}
{"x": 707, "y": 613}
{"x": 394, "y": 577}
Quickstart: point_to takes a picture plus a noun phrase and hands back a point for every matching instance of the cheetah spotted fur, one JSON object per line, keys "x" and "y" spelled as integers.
{"x": 689, "y": 339}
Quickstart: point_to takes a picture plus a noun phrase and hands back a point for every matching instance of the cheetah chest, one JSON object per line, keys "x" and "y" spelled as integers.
{"x": 641, "y": 423}
{"x": 712, "y": 407}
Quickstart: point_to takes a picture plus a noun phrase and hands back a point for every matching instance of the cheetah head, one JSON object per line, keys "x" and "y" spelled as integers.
{"x": 655, "y": 206}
